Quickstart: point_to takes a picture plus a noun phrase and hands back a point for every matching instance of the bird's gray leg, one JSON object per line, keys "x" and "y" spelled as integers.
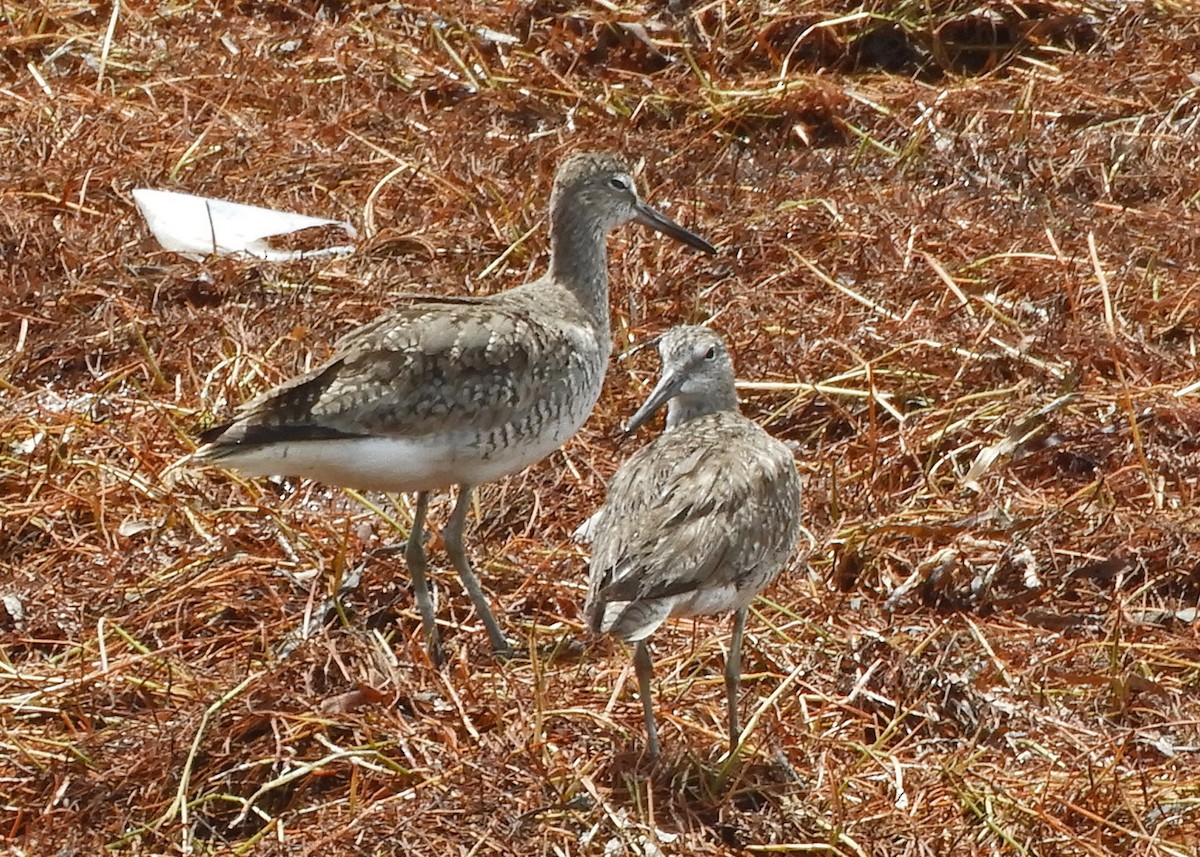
{"x": 733, "y": 675}
{"x": 453, "y": 536}
{"x": 414, "y": 556}
{"x": 644, "y": 668}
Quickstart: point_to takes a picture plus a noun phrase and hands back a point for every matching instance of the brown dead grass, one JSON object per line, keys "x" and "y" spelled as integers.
{"x": 937, "y": 221}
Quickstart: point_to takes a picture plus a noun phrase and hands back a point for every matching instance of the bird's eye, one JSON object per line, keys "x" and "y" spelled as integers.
{"x": 711, "y": 353}
{"x": 619, "y": 183}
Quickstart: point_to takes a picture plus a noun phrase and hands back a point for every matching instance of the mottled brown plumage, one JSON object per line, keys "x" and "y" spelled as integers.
{"x": 699, "y": 520}
{"x": 457, "y": 391}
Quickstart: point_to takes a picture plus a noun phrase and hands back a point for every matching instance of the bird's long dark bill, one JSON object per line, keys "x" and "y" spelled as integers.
{"x": 656, "y": 220}
{"x": 663, "y": 392}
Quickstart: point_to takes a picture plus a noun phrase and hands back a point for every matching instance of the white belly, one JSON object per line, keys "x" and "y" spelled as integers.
{"x": 397, "y": 463}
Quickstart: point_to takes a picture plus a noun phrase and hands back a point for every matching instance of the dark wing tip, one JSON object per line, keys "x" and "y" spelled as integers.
{"x": 234, "y": 435}
{"x": 212, "y": 435}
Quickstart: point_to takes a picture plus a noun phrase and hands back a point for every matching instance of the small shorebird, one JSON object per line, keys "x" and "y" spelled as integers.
{"x": 698, "y": 521}
{"x": 457, "y": 391}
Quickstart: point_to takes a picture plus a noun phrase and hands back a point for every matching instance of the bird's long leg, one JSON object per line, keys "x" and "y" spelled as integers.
{"x": 414, "y": 556}
{"x": 644, "y": 668}
{"x": 453, "y": 536}
{"x": 733, "y": 675}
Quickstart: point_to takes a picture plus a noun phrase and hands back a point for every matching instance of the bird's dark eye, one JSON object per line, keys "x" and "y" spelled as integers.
{"x": 711, "y": 353}
{"x": 619, "y": 183}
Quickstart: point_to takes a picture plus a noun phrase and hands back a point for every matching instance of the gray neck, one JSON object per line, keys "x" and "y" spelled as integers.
{"x": 579, "y": 257}
{"x": 683, "y": 408}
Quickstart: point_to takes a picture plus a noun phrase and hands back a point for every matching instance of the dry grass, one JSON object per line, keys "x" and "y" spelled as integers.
{"x": 960, "y": 262}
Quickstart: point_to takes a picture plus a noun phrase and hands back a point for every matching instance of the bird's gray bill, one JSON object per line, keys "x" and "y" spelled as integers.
{"x": 648, "y": 216}
{"x": 663, "y": 392}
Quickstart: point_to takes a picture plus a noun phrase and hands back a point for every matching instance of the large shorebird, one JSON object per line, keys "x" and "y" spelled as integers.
{"x": 457, "y": 391}
{"x": 698, "y": 521}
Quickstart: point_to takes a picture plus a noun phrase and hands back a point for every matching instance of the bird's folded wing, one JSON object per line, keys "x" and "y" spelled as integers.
{"x": 675, "y": 524}
{"x": 468, "y": 362}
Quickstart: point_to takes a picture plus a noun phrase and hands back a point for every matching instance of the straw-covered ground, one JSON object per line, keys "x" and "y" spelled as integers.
{"x": 960, "y": 272}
